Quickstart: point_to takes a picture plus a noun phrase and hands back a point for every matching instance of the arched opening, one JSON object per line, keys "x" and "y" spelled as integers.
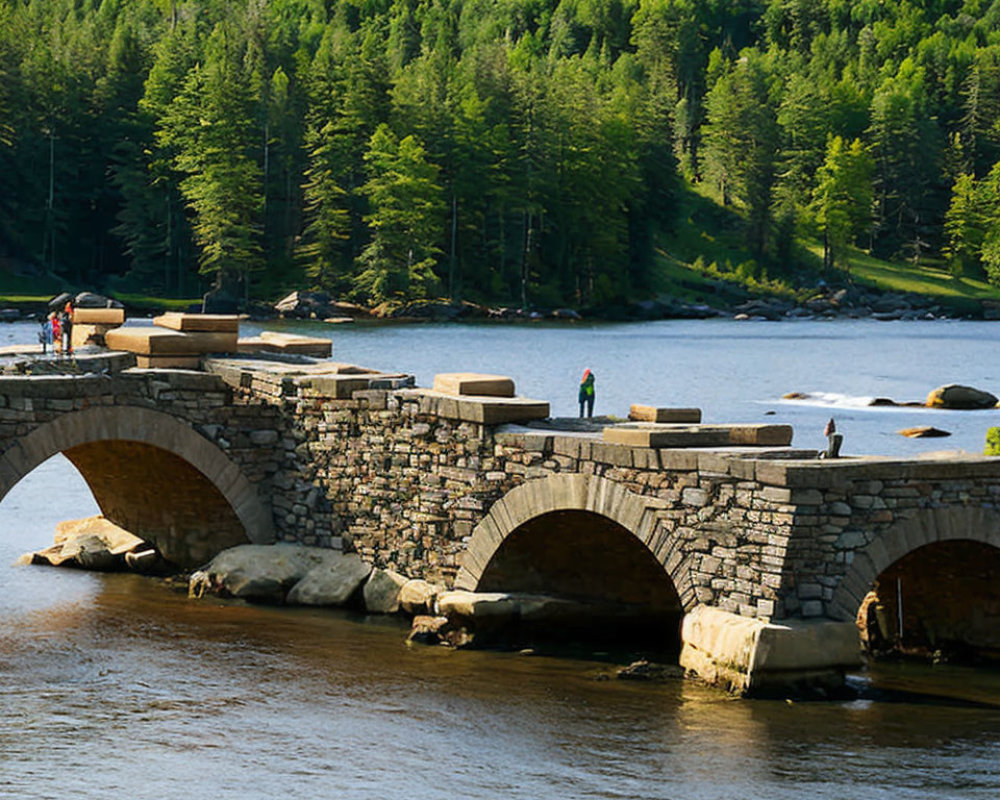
{"x": 159, "y": 497}
{"x": 617, "y": 592}
{"x": 153, "y": 475}
{"x": 940, "y": 601}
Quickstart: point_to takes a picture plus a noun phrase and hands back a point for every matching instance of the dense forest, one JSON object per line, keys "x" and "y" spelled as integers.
{"x": 522, "y": 151}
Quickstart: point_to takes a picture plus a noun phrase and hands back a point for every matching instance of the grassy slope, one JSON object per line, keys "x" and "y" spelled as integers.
{"x": 705, "y": 229}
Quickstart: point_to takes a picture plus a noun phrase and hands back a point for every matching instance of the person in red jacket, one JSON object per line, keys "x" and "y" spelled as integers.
{"x": 56, "y": 332}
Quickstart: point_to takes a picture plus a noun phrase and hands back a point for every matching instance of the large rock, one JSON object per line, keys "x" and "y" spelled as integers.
{"x": 92, "y": 300}
{"x": 330, "y": 584}
{"x": 93, "y": 543}
{"x": 219, "y": 301}
{"x": 262, "y": 573}
{"x": 305, "y": 305}
{"x": 954, "y": 395}
{"x": 493, "y": 611}
{"x": 417, "y": 596}
{"x": 382, "y": 590}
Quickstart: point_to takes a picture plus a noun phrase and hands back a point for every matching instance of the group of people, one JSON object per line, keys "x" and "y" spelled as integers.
{"x": 57, "y": 331}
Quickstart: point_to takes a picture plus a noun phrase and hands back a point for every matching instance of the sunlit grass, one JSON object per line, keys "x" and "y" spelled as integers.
{"x": 919, "y": 278}
{"x": 134, "y": 300}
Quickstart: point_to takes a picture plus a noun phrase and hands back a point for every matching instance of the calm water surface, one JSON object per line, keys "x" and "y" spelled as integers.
{"x": 118, "y": 686}
{"x": 733, "y": 371}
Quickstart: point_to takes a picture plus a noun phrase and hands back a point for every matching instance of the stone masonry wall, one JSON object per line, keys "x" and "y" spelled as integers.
{"x": 390, "y": 473}
{"x": 384, "y": 474}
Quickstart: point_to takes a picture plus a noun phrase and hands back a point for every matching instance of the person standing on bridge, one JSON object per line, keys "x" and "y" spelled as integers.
{"x": 67, "y": 327}
{"x": 56, "y": 332}
{"x": 586, "y": 393}
{"x": 45, "y": 335}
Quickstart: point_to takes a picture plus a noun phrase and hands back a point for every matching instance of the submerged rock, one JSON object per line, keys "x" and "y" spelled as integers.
{"x": 650, "y": 671}
{"x": 428, "y": 629}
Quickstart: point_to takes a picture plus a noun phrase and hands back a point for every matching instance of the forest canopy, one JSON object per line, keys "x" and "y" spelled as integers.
{"x": 521, "y": 151}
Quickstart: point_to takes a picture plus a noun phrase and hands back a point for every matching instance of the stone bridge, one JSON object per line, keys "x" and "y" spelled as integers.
{"x": 765, "y": 551}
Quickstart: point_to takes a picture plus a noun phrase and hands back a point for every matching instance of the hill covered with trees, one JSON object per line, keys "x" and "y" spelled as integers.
{"x": 520, "y": 151}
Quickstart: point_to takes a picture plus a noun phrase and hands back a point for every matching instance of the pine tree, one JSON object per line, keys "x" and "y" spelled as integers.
{"x": 405, "y": 220}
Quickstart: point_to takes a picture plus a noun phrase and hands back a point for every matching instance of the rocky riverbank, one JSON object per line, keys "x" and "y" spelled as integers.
{"x": 293, "y": 575}
{"x": 847, "y": 303}
{"x": 824, "y": 303}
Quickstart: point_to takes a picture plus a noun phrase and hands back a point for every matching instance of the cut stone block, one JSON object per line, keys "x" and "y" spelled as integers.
{"x": 471, "y": 383}
{"x": 482, "y": 410}
{"x": 176, "y": 321}
{"x": 84, "y": 335}
{"x": 641, "y": 413}
{"x": 168, "y": 362}
{"x": 750, "y": 656}
{"x": 292, "y": 343}
{"x": 251, "y": 344}
{"x": 667, "y": 436}
{"x": 339, "y": 387}
{"x": 318, "y": 348}
{"x": 160, "y": 341}
{"x": 98, "y": 316}
{"x": 761, "y": 435}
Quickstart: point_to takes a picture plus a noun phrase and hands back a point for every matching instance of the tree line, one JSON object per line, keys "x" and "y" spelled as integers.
{"x": 521, "y": 151}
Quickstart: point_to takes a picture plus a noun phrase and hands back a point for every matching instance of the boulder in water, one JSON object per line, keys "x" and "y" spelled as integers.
{"x": 332, "y": 583}
{"x": 417, "y": 596}
{"x": 956, "y": 396}
{"x": 923, "y": 432}
{"x": 93, "y": 543}
{"x": 258, "y": 572}
{"x": 382, "y": 590}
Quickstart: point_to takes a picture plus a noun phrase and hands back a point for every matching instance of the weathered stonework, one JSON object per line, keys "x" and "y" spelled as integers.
{"x": 435, "y": 486}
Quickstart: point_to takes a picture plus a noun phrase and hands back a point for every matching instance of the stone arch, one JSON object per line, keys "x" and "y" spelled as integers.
{"x": 926, "y": 527}
{"x": 85, "y": 435}
{"x": 537, "y": 498}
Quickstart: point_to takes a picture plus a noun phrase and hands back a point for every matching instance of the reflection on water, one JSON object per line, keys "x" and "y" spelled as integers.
{"x": 116, "y": 685}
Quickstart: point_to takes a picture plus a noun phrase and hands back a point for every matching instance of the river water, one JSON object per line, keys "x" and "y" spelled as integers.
{"x": 117, "y": 685}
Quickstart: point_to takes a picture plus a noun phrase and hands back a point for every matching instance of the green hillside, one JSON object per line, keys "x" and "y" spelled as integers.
{"x": 524, "y": 152}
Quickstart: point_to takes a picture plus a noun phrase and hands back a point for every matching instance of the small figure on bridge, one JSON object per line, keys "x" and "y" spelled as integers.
{"x": 67, "y": 327}
{"x": 45, "y": 335}
{"x": 834, "y": 440}
{"x": 586, "y": 394}
{"x": 56, "y": 332}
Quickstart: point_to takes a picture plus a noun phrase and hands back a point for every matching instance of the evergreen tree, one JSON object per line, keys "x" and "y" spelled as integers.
{"x": 210, "y": 127}
{"x": 405, "y": 219}
{"x": 843, "y": 197}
